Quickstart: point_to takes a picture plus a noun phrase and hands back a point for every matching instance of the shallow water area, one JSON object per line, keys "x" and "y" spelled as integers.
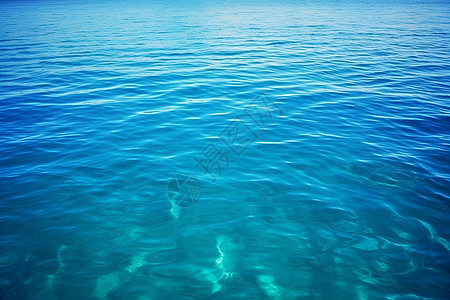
{"x": 241, "y": 149}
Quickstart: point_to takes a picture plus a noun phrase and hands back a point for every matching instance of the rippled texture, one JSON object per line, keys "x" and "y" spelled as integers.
{"x": 195, "y": 150}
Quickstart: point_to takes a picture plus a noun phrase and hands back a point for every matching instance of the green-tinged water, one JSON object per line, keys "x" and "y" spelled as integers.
{"x": 224, "y": 150}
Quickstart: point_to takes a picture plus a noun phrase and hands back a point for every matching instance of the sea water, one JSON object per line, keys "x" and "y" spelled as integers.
{"x": 224, "y": 150}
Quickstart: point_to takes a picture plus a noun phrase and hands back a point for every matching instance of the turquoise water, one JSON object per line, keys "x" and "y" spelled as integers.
{"x": 224, "y": 150}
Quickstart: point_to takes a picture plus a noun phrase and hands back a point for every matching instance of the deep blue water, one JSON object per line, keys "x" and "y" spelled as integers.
{"x": 224, "y": 150}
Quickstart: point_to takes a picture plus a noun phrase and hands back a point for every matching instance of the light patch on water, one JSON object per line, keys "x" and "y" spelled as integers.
{"x": 345, "y": 226}
{"x": 51, "y": 277}
{"x": 136, "y": 262}
{"x": 265, "y": 280}
{"x": 206, "y": 275}
{"x": 105, "y": 284}
{"x": 365, "y": 275}
{"x": 59, "y": 257}
{"x": 267, "y": 284}
{"x": 361, "y": 292}
{"x": 220, "y": 260}
{"x": 226, "y": 263}
{"x": 434, "y": 236}
{"x": 367, "y": 244}
{"x": 135, "y": 233}
{"x": 158, "y": 111}
{"x": 403, "y": 234}
{"x": 175, "y": 210}
{"x": 381, "y": 266}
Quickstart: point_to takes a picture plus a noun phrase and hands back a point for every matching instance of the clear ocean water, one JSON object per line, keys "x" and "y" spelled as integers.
{"x": 224, "y": 150}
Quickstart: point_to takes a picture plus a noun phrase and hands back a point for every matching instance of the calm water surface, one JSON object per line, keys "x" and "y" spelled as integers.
{"x": 224, "y": 150}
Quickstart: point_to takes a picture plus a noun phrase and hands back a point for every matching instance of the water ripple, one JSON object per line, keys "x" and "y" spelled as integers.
{"x": 316, "y": 135}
